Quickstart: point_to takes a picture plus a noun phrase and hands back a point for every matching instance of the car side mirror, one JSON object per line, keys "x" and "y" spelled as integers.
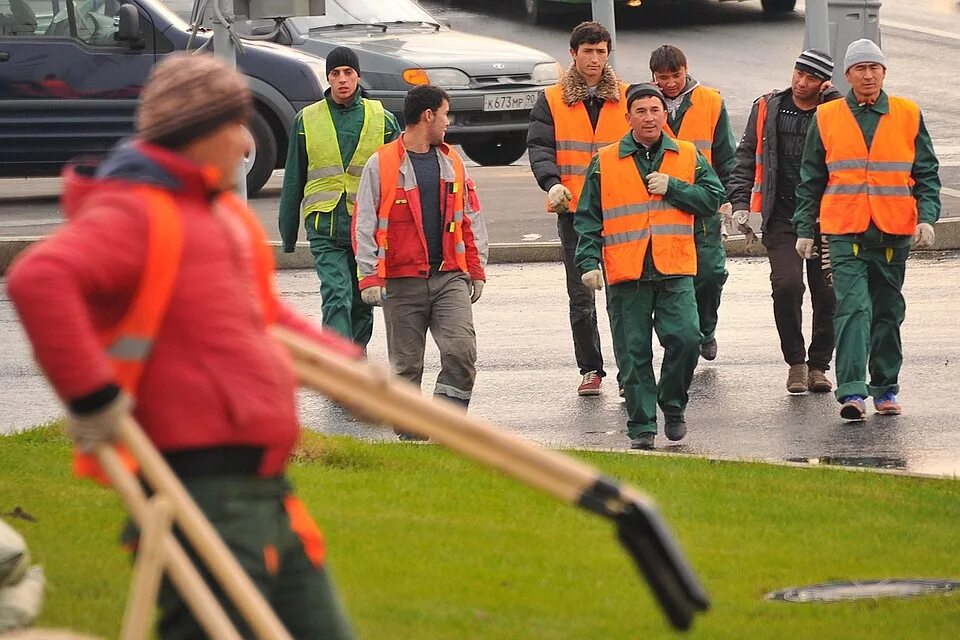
{"x": 128, "y": 19}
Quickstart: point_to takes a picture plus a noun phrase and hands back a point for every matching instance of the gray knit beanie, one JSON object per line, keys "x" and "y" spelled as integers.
{"x": 863, "y": 50}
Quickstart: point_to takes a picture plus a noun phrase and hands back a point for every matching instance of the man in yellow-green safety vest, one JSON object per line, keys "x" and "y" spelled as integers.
{"x": 331, "y": 141}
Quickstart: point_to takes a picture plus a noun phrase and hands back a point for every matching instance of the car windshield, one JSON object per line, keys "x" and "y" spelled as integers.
{"x": 361, "y": 12}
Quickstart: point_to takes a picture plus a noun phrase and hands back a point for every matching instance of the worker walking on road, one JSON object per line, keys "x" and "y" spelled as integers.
{"x": 764, "y": 182}
{"x": 421, "y": 247}
{"x": 697, "y": 114}
{"x": 331, "y": 141}
{"x": 155, "y": 300}
{"x": 568, "y": 124}
{"x": 870, "y": 171}
{"x": 636, "y": 218}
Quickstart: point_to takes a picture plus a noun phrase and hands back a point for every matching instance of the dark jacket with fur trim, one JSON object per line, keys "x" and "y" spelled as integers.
{"x": 541, "y": 138}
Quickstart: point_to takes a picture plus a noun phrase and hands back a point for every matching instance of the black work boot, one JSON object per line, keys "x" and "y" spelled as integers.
{"x": 708, "y": 350}
{"x": 674, "y": 427}
{"x": 643, "y": 441}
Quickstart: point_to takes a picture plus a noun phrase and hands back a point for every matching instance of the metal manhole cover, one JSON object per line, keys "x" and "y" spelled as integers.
{"x": 866, "y": 589}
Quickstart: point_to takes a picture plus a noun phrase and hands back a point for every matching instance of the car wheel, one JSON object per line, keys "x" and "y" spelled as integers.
{"x": 497, "y": 150}
{"x": 263, "y": 158}
{"x": 778, "y": 6}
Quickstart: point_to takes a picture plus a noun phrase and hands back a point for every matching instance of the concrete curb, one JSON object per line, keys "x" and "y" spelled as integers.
{"x": 948, "y": 239}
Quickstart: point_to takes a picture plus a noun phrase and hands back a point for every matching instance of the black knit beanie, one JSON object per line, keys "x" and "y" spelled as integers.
{"x": 342, "y": 57}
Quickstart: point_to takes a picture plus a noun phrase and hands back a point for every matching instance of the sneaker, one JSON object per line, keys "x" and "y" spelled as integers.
{"x": 643, "y": 441}
{"x": 590, "y": 386}
{"x": 623, "y": 392}
{"x": 818, "y": 382}
{"x": 674, "y": 427}
{"x": 854, "y": 408}
{"x": 887, "y": 405}
{"x": 797, "y": 378}
{"x": 708, "y": 350}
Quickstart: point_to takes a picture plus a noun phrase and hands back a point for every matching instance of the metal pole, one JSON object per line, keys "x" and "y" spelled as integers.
{"x": 818, "y": 29}
{"x": 226, "y": 50}
{"x": 603, "y": 13}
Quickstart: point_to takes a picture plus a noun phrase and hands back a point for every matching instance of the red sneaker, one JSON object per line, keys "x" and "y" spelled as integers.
{"x": 590, "y": 386}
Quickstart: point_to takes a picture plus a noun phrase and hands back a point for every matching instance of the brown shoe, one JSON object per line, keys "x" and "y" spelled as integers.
{"x": 797, "y": 378}
{"x": 818, "y": 382}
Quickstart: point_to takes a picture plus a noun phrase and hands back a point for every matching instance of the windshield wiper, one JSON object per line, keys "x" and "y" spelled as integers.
{"x": 422, "y": 23}
{"x": 349, "y": 25}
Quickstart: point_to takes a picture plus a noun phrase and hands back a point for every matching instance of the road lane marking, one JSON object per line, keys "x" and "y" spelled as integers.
{"x": 30, "y": 223}
{"x": 531, "y": 237}
{"x": 924, "y": 30}
{"x": 953, "y": 193}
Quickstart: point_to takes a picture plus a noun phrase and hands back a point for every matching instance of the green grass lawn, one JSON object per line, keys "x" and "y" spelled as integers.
{"x": 425, "y": 545}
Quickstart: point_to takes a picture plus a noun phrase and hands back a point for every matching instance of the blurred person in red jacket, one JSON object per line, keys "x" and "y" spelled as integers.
{"x": 155, "y": 301}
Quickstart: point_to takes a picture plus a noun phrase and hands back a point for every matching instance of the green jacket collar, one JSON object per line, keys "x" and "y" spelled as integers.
{"x": 881, "y": 106}
{"x": 357, "y": 100}
{"x": 629, "y": 146}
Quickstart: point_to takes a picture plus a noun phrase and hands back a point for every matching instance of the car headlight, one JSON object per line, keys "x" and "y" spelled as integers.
{"x": 443, "y": 78}
{"x": 546, "y": 73}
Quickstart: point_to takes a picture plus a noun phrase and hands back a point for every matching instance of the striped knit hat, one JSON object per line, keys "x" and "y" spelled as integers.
{"x": 816, "y": 63}
{"x": 188, "y": 96}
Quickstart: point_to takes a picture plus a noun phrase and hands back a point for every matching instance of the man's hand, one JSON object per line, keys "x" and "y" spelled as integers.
{"x": 101, "y": 427}
{"x": 593, "y": 280}
{"x": 924, "y": 236}
{"x": 805, "y": 248}
{"x": 373, "y": 296}
{"x": 476, "y": 290}
{"x": 726, "y": 210}
{"x": 559, "y": 197}
{"x": 657, "y": 183}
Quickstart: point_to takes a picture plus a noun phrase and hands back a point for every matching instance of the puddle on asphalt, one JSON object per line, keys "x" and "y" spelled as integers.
{"x": 866, "y": 462}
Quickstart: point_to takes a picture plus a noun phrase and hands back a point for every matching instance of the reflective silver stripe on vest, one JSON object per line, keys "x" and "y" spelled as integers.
{"x": 635, "y": 209}
{"x": 840, "y": 165}
{"x": 382, "y": 223}
{"x": 458, "y": 215}
{"x": 460, "y": 248}
{"x": 873, "y": 190}
{"x": 572, "y": 170}
{"x": 671, "y": 229}
{"x": 703, "y": 145}
{"x": 319, "y": 196}
{"x": 575, "y": 145}
{"x": 381, "y": 253}
{"x": 757, "y": 187}
{"x": 323, "y": 172}
{"x": 625, "y": 237}
{"x": 354, "y": 170}
{"x": 129, "y": 348}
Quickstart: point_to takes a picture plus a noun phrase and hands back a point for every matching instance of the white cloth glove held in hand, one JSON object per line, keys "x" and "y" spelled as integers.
{"x": 924, "y": 236}
{"x": 476, "y": 290}
{"x": 593, "y": 279}
{"x": 742, "y": 218}
{"x": 657, "y": 183}
{"x": 103, "y": 427}
{"x": 805, "y": 248}
{"x": 559, "y": 197}
{"x": 373, "y": 296}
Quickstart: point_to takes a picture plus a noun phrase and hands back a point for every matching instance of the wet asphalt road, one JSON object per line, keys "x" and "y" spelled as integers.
{"x": 739, "y": 407}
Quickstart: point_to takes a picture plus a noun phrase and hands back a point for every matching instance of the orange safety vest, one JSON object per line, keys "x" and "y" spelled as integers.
{"x": 700, "y": 120}
{"x": 577, "y": 141}
{"x": 874, "y": 184}
{"x": 756, "y": 195}
{"x": 130, "y": 342}
{"x": 632, "y": 217}
{"x": 390, "y": 157}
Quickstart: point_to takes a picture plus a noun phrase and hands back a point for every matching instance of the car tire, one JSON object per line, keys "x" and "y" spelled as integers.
{"x": 497, "y": 150}
{"x": 778, "y": 6}
{"x": 264, "y": 155}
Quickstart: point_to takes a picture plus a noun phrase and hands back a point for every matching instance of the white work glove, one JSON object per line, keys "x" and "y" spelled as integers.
{"x": 103, "y": 427}
{"x": 726, "y": 210}
{"x": 657, "y": 183}
{"x": 476, "y": 290}
{"x": 373, "y": 296}
{"x": 805, "y": 248}
{"x": 593, "y": 279}
{"x": 924, "y": 236}
{"x": 742, "y": 218}
{"x": 559, "y": 197}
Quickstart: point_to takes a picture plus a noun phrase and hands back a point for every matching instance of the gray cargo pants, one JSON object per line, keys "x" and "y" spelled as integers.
{"x": 440, "y": 303}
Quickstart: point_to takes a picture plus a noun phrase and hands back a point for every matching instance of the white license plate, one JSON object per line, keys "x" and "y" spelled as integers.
{"x": 509, "y": 101}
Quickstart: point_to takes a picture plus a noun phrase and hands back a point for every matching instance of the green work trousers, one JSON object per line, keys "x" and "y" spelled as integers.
{"x": 636, "y": 309}
{"x": 249, "y": 514}
{"x": 343, "y": 309}
{"x": 870, "y": 310}
{"x": 711, "y": 272}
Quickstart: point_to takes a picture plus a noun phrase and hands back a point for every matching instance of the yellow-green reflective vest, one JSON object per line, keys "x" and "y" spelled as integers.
{"x": 327, "y": 178}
